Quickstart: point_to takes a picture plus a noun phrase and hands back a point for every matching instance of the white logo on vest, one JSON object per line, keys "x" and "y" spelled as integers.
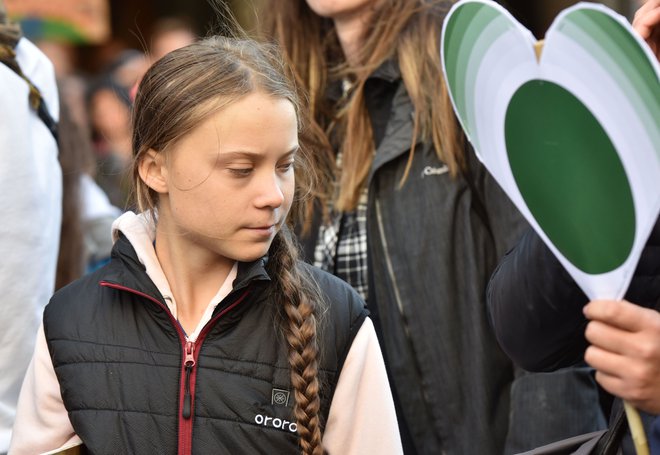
{"x": 281, "y": 424}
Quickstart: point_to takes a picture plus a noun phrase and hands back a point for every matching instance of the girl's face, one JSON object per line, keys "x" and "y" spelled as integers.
{"x": 228, "y": 185}
{"x": 341, "y": 9}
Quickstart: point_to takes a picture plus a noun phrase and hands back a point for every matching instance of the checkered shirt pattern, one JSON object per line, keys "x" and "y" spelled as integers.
{"x": 341, "y": 248}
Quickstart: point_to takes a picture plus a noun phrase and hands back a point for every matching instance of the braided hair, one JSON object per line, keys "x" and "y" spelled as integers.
{"x": 300, "y": 304}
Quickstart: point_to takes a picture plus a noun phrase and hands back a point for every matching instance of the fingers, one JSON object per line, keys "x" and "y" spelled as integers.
{"x": 644, "y": 23}
{"x": 621, "y": 314}
{"x": 606, "y": 362}
{"x": 639, "y": 386}
{"x": 647, "y": 6}
{"x": 625, "y": 350}
{"x": 654, "y": 41}
{"x": 611, "y": 339}
{"x": 647, "y": 23}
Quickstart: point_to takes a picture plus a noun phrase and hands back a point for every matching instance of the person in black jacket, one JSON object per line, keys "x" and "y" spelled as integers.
{"x": 544, "y": 321}
{"x": 539, "y": 313}
{"x": 204, "y": 334}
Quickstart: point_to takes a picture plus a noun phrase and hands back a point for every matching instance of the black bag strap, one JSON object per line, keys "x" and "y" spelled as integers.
{"x": 610, "y": 443}
{"x": 9, "y": 36}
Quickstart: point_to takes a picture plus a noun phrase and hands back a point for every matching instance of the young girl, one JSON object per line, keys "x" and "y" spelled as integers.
{"x": 204, "y": 334}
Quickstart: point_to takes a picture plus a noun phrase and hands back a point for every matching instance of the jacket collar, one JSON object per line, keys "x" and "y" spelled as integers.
{"x": 398, "y": 133}
{"x": 125, "y": 269}
{"x": 399, "y": 130}
{"x": 388, "y": 71}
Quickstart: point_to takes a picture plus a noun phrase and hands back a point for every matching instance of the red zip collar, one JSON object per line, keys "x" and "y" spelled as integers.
{"x": 188, "y": 363}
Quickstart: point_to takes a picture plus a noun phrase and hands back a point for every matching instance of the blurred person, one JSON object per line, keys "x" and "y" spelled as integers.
{"x": 96, "y": 211}
{"x": 61, "y": 55}
{"x": 416, "y": 225}
{"x": 109, "y": 102}
{"x": 97, "y": 215}
{"x": 73, "y": 160}
{"x": 109, "y": 108}
{"x": 30, "y": 203}
{"x": 87, "y": 214}
{"x": 168, "y": 34}
{"x": 128, "y": 67}
{"x": 205, "y": 334}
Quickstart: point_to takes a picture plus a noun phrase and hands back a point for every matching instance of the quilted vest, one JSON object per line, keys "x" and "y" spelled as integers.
{"x": 132, "y": 384}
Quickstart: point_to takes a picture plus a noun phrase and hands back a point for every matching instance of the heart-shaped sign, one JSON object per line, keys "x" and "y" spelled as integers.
{"x": 573, "y": 136}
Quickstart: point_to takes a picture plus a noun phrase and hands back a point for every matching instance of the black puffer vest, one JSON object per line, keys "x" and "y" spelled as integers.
{"x": 133, "y": 385}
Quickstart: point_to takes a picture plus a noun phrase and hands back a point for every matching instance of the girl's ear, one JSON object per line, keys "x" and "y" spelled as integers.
{"x": 153, "y": 171}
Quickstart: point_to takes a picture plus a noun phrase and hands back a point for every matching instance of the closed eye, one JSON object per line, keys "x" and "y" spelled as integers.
{"x": 286, "y": 167}
{"x": 241, "y": 172}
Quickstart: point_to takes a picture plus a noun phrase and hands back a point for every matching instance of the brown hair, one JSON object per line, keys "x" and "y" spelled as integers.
{"x": 176, "y": 94}
{"x": 408, "y": 30}
{"x": 75, "y": 156}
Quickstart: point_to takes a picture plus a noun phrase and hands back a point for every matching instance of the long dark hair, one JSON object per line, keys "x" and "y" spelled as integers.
{"x": 75, "y": 156}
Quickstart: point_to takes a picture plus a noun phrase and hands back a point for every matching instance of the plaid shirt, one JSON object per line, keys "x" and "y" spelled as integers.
{"x": 341, "y": 248}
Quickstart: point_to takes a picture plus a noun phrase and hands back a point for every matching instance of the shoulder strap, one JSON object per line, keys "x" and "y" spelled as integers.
{"x": 10, "y": 33}
{"x": 610, "y": 443}
{"x": 9, "y": 36}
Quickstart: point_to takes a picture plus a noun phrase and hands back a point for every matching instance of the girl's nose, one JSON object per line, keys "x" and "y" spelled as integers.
{"x": 270, "y": 192}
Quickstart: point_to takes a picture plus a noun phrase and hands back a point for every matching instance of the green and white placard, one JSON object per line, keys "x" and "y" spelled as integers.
{"x": 573, "y": 137}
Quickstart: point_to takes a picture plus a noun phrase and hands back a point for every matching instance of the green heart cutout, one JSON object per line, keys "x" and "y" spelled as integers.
{"x": 556, "y": 159}
{"x": 573, "y": 137}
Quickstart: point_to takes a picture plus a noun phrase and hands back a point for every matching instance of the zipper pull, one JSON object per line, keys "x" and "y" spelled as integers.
{"x": 189, "y": 364}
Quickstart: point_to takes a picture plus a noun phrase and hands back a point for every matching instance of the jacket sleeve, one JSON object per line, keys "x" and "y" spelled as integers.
{"x": 362, "y": 417}
{"x": 504, "y": 220}
{"x": 41, "y": 411}
{"x": 536, "y": 308}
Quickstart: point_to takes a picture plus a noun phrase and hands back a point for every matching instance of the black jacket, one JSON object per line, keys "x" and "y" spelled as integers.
{"x": 536, "y": 307}
{"x": 431, "y": 254}
{"x": 432, "y": 245}
{"x": 132, "y": 384}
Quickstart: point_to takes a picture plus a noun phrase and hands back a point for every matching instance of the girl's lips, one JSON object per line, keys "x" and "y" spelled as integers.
{"x": 263, "y": 230}
{"x": 264, "y": 227}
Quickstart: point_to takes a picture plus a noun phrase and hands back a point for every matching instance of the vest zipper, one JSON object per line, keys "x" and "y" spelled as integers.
{"x": 189, "y": 364}
{"x": 189, "y": 372}
{"x": 189, "y": 379}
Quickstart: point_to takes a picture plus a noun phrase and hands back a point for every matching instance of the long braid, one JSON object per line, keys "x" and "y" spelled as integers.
{"x": 296, "y": 298}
